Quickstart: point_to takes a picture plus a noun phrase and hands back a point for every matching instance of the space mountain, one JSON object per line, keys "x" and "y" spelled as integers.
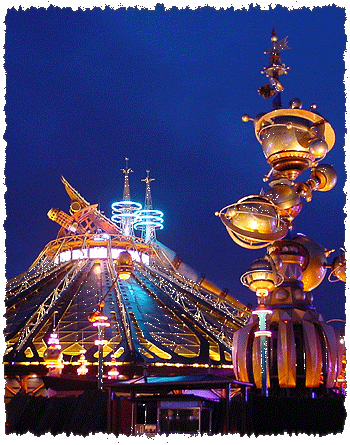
{"x": 101, "y": 298}
{"x": 159, "y": 316}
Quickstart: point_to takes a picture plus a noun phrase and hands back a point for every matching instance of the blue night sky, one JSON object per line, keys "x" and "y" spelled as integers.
{"x": 167, "y": 89}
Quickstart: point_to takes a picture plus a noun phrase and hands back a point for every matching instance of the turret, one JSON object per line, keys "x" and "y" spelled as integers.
{"x": 286, "y": 343}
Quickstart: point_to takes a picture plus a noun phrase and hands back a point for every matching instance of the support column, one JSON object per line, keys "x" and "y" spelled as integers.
{"x": 264, "y": 335}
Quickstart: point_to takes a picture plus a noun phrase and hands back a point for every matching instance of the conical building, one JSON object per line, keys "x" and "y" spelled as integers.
{"x": 98, "y": 292}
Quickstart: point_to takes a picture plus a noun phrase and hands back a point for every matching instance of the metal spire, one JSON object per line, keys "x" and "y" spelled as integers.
{"x": 126, "y": 171}
{"x": 124, "y": 211}
{"x": 148, "y": 231}
{"x": 148, "y": 220}
{"x": 148, "y": 198}
{"x": 274, "y": 70}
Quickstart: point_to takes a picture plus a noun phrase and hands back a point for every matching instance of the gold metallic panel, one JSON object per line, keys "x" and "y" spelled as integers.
{"x": 239, "y": 352}
{"x": 319, "y": 126}
{"x": 332, "y": 355}
{"x": 234, "y": 351}
{"x": 313, "y": 355}
{"x": 257, "y": 363}
{"x": 286, "y": 355}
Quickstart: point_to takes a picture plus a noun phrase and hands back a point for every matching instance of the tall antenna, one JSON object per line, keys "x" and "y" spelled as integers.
{"x": 148, "y": 198}
{"x": 274, "y": 70}
{"x": 124, "y": 212}
{"x": 148, "y": 220}
{"x": 272, "y": 16}
{"x": 126, "y": 171}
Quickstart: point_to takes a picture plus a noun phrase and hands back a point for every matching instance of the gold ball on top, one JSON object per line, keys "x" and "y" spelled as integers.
{"x": 245, "y": 118}
{"x": 295, "y": 103}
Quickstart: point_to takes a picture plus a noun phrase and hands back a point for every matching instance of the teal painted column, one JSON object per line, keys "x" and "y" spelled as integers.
{"x": 263, "y": 334}
{"x": 100, "y": 357}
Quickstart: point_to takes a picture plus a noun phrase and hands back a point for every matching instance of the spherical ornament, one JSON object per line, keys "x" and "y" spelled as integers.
{"x": 254, "y": 214}
{"x": 281, "y": 294}
{"x": 295, "y": 103}
{"x": 309, "y": 297}
{"x": 261, "y": 277}
{"x": 245, "y": 118}
{"x": 315, "y": 269}
{"x": 254, "y": 222}
{"x": 124, "y": 258}
{"x": 299, "y": 294}
{"x": 124, "y": 265}
{"x": 339, "y": 267}
{"x": 326, "y": 176}
{"x": 52, "y": 354}
{"x": 318, "y": 148}
{"x": 285, "y": 197}
{"x": 284, "y": 142}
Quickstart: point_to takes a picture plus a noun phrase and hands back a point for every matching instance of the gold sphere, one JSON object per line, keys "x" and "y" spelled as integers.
{"x": 124, "y": 258}
{"x": 261, "y": 277}
{"x": 254, "y": 222}
{"x": 339, "y": 267}
{"x": 315, "y": 269}
{"x": 318, "y": 148}
{"x": 52, "y": 354}
{"x": 245, "y": 118}
{"x": 285, "y": 135}
{"x": 286, "y": 198}
{"x": 295, "y": 103}
{"x": 326, "y": 175}
{"x": 254, "y": 214}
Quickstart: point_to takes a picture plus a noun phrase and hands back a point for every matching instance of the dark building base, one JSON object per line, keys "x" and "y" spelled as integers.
{"x": 87, "y": 413}
{"x": 295, "y": 415}
{"x": 81, "y": 415}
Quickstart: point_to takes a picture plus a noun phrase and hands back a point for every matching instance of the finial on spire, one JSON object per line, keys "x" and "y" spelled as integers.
{"x": 124, "y": 211}
{"x": 148, "y": 220}
{"x": 148, "y": 198}
{"x": 273, "y": 35}
{"x": 126, "y": 171}
{"x": 274, "y": 70}
{"x": 277, "y": 45}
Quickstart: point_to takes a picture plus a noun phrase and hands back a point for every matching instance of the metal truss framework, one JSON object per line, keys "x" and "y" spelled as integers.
{"x": 199, "y": 308}
{"x": 48, "y": 306}
{"x": 233, "y": 312}
{"x": 194, "y": 317}
{"x": 158, "y": 316}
